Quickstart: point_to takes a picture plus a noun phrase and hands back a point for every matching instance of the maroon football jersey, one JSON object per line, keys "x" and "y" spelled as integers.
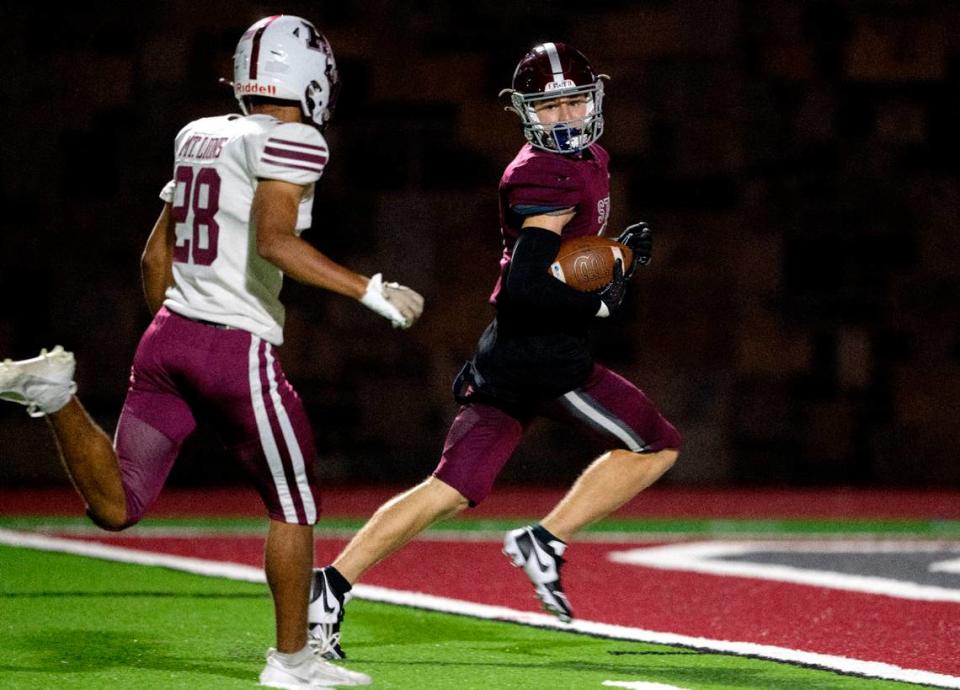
{"x": 538, "y": 182}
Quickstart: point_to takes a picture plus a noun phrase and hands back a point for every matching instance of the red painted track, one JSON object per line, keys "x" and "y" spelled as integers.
{"x": 531, "y": 502}
{"x": 910, "y": 634}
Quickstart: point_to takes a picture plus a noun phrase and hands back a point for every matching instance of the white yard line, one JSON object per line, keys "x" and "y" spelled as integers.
{"x": 869, "y": 669}
{"x": 951, "y": 566}
{"x": 707, "y": 557}
{"x": 639, "y": 685}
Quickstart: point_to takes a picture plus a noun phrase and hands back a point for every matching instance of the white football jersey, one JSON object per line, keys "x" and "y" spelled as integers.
{"x": 218, "y": 274}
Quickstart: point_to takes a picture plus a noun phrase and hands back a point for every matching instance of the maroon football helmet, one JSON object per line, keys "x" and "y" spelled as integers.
{"x": 550, "y": 71}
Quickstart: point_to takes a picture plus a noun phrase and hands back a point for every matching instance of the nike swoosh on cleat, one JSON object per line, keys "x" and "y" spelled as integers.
{"x": 325, "y": 598}
{"x": 536, "y": 555}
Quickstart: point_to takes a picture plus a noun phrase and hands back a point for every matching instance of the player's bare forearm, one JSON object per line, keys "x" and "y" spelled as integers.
{"x": 302, "y": 262}
{"x": 156, "y": 263}
{"x": 275, "y": 208}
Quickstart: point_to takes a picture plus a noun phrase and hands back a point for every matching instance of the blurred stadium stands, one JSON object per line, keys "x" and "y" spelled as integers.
{"x": 799, "y": 161}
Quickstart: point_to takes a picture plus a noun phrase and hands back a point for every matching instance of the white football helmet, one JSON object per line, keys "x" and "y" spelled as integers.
{"x": 286, "y": 58}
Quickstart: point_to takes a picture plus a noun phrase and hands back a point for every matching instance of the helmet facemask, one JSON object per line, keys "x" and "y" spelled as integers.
{"x": 552, "y": 71}
{"x": 570, "y": 136}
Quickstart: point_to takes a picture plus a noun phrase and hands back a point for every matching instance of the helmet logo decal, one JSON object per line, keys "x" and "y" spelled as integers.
{"x": 313, "y": 38}
{"x": 311, "y": 96}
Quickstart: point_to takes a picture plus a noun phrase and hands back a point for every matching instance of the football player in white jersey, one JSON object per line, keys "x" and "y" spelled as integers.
{"x": 241, "y": 193}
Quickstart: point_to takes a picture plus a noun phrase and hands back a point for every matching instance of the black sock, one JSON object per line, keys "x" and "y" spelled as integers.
{"x": 336, "y": 580}
{"x": 540, "y": 532}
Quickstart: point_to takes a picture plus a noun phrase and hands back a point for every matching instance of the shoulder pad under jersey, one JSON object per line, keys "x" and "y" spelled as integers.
{"x": 289, "y": 151}
{"x": 541, "y": 183}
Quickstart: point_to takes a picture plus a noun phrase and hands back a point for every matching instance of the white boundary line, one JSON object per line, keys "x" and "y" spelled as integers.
{"x": 198, "y": 566}
{"x": 233, "y": 571}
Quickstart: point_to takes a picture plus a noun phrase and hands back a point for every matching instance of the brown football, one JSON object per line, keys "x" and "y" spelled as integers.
{"x": 586, "y": 263}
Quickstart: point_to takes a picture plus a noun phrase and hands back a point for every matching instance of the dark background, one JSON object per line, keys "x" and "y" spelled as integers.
{"x": 798, "y": 160}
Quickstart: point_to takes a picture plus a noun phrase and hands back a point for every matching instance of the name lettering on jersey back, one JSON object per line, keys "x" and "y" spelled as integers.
{"x": 200, "y": 147}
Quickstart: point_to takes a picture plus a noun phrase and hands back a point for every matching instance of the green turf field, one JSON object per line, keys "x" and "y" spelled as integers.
{"x": 74, "y": 622}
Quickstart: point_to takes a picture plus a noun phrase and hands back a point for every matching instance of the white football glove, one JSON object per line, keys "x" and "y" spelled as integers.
{"x": 398, "y": 303}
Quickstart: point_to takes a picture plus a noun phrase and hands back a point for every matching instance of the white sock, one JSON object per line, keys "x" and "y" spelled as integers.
{"x": 296, "y": 658}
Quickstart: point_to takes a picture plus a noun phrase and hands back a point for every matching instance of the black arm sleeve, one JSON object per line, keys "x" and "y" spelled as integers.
{"x": 531, "y": 289}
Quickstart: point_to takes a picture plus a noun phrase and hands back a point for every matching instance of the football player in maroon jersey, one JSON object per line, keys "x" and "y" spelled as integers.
{"x": 533, "y": 359}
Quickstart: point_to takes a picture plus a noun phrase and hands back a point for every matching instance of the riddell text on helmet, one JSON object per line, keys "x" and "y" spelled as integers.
{"x": 268, "y": 89}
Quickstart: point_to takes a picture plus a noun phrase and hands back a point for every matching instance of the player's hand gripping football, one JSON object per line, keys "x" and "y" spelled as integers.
{"x": 612, "y": 295}
{"x": 639, "y": 237}
{"x": 397, "y": 303}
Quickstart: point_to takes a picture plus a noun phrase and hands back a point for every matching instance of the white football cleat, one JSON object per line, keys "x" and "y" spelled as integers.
{"x": 311, "y": 673}
{"x": 325, "y": 615}
{"x": 541, "y": 561}
{"x": 44, "y": 384}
